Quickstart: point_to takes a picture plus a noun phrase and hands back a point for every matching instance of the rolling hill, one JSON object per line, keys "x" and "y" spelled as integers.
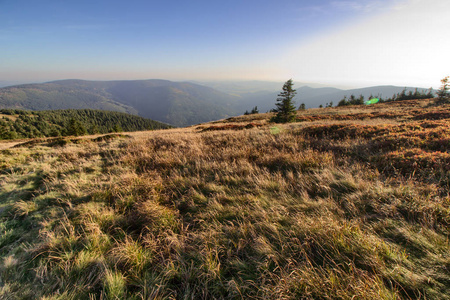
{"x": 179, "y": 104}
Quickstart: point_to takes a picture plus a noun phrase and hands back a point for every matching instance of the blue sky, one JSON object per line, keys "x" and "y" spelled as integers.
{"x": 353, "y": 43}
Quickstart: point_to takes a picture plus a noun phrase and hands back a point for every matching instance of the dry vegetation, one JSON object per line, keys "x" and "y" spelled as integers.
{"x": 344, "y": 204}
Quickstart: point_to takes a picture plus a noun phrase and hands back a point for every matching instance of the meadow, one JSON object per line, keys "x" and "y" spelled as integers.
{"x": 344, "y": 203}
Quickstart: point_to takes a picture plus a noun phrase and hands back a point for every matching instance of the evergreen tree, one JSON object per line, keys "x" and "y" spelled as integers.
{"x": 302, "y": 106}
{"x": 255, "y": 110}
{"x": 75, "y": 127}
{"x": 343, "y": 102}
{"x": 117, "y": 128}
{"x": 443, "y": 94}
{"x": 54, "y": 132}
{"x": 360, "y": 100}
{"x": 403, "y": 94}
{"x": 94, "y": 129}
{"x": 285, "y": 107}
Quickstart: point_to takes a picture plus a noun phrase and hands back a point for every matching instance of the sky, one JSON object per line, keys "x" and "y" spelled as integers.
{"x": 341, "y": 43}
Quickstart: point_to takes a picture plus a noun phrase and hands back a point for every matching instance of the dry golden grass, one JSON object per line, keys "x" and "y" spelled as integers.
{"x": 333, "y": 208}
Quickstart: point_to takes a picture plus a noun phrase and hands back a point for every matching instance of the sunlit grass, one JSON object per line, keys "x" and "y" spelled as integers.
{"x": 339, "y": 206}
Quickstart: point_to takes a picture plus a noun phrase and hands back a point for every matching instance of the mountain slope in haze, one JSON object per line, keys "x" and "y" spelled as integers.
{"x": 251, "y": 86}
{"x": 265, "y": 100}
{"x": 179, "y": 104}
{"x": 67, "y": 94}
{"x": 263, "y": 94}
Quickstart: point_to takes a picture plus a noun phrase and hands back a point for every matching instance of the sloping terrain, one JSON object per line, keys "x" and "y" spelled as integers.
{"x": 67, "y": 94}
{"x": 345, "y": 203}
{"x": 175, "y": 103}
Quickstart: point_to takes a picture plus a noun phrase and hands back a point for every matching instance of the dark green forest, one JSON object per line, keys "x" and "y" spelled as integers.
{"x": 16, "y": 124}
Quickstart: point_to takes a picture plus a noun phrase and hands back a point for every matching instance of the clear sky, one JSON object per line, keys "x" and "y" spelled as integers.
{"x": 353, "y": 43}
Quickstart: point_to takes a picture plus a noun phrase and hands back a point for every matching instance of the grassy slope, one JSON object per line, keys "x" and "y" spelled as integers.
{"x": 345, "y": 203}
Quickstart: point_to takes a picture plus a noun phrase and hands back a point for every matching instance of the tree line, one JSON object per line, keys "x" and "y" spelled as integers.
{"x": 352, "y": 100}
{"x": 16, "y": 124}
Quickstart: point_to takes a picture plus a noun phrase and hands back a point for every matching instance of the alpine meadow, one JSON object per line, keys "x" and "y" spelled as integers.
{"x": 348, "y": 202}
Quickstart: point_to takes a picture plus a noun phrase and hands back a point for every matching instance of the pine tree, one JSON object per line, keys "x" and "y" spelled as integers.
{"x": 285, "y": 105}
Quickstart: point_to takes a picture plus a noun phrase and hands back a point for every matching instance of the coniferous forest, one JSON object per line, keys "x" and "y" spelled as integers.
{"x": 15, "y": 124}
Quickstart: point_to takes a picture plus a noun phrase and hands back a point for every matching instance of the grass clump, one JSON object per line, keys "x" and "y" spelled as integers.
{"x": 114, "y": 285}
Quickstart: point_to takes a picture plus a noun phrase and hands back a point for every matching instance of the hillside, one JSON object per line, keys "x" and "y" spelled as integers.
{"x": 19, "y": 124}
{"x": 67, "y": 94}
{"x": 176, "y": 103}
{"x": 345, "y": 203}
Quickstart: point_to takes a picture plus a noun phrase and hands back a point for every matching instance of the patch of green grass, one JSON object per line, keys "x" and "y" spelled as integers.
{"x": 114, "y": 285}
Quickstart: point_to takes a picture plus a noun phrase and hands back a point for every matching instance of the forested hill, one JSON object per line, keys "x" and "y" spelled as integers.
{"x": 176, "y": 103}
{"x": 51, "y": 123}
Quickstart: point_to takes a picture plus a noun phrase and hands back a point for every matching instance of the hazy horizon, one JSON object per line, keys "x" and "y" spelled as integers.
{"x": 330, "y": 42}
{"x": 212, "y": 83}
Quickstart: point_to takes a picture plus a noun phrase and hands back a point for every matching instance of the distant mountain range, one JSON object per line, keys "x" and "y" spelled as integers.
{"x": 176, "y": 103}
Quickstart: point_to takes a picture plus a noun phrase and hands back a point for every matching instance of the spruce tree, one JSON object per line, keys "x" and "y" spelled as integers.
{"x": 75, "y": 127}
{"x": 254, "y": 110}
{"x": 443, "y": 94}
{"x": 286, "y": 111}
